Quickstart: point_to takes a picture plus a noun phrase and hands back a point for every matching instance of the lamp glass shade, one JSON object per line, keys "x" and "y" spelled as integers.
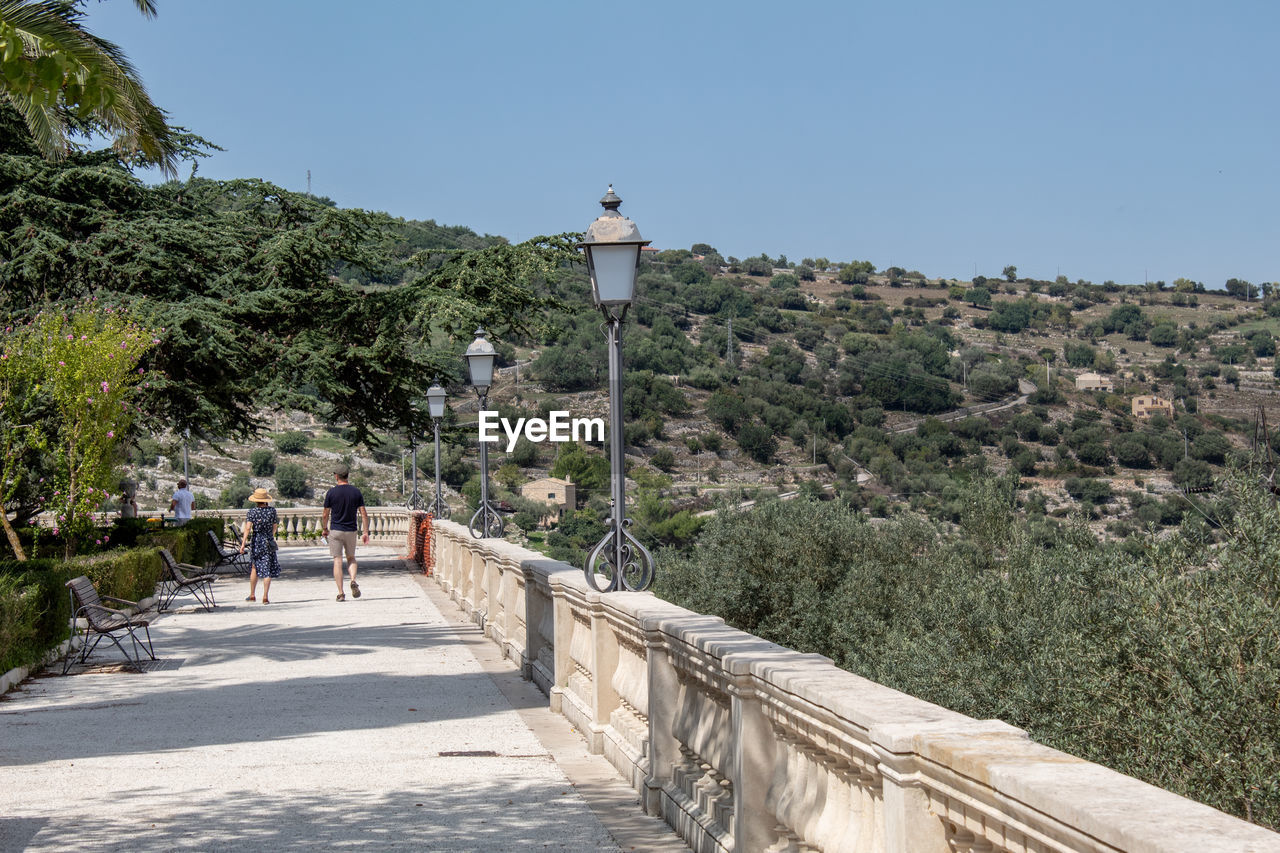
{"x": 435, "y": 401}
{"x": 613, "y": 271}
{"x": 480, "y": 357}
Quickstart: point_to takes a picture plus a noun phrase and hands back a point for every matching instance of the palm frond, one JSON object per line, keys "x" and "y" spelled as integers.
{"x": 44, "y": 124}
{"x": 126, "y": 111}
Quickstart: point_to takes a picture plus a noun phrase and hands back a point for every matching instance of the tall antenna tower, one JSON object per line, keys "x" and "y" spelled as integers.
{"x": 728, "y": 347}
{"x": 308, "y": 182}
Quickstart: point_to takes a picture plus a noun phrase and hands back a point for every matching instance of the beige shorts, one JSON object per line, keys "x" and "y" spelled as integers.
{"x": 340, "y": 540}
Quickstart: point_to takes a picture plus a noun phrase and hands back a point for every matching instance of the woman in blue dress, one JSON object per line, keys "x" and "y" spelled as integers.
{"x": 260, "y": 538}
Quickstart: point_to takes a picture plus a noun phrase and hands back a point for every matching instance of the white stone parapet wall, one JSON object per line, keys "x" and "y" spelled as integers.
{"x": 744, "y": 745}
{"x": 301, "y": 525}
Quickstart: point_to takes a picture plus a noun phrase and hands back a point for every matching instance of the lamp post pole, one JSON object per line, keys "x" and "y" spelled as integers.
{"x": 415, "y": 499}
{"x": 486, "y": 515}
{"x": 487, "y": 522}
{"x": 612, "y": 245}
{"x": 435, "y": 406}
{"x": 619, "y": 548}
{"x": 439, "y": 509}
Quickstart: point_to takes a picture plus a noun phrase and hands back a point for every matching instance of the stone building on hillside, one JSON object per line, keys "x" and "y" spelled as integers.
{"x": 559, "y": 495}
{"x": 1094, "y": 382}
{"x": 1146, "y": 405}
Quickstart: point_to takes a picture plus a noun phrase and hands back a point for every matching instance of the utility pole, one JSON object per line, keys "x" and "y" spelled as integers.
{"x": 308, "y": 182}
{"x": 728, "y": 348}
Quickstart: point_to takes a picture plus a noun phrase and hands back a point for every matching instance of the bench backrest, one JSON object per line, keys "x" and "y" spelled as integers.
{"x": 171, "y": 565}
{"x": 217, "y": 543}
{"x": 84, "y": 591}
{"x": 87, "y": 602}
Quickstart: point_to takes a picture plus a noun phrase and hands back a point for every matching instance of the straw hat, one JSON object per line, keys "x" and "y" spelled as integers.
{"x": 261, "y": 496}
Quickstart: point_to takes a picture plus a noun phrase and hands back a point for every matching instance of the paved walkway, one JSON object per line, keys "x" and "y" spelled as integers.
{"x": 381, "y": 723}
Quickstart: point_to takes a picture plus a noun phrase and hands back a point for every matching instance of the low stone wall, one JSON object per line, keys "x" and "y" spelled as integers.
{"x": 301, "y": 525}
{"x": 744, "y": 745}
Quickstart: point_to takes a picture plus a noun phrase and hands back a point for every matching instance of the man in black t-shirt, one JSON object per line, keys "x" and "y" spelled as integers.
{"x": 340, "y": 505}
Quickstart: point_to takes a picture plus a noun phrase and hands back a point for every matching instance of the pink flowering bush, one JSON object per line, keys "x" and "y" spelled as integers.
{"x": 69, "y": 357}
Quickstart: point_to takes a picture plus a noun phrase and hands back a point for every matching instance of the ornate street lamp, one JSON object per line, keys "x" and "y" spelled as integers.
{"x": 612, "y": 245}
{"x": 435, "y": 406}
{"x": 487, "y": 522}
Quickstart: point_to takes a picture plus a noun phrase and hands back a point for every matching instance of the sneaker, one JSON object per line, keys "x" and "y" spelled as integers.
{"x": 355, "y": 590}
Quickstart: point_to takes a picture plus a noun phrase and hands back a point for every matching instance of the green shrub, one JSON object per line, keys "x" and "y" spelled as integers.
{"x": 1158, "y": 658}
{"x": 758, "y": 441}
{"x": 188, "y": 544}
{"x": 236, "y": 494}
{"x": 262, "y": 462}
{"x": 525, "y": 453}
{"x": 131, "y": 574}
{"x": 291, "y": 480}
{"x": 32, "y": 606}
{"x": 126, "y": 532}
{"x": 293, "y": 442}
{"x": 663, "y": 459}
{"x": 120, "y": 533}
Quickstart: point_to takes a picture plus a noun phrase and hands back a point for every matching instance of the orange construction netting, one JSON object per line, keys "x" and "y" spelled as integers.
{"x": 420, "y": 541}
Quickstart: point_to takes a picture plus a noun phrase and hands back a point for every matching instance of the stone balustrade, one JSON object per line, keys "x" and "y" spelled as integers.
{"x": 301, "y": 525}
{"x": 743, "y": 745}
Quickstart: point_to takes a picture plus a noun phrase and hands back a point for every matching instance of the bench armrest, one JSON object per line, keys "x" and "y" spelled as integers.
{"x": 100, "y": 609}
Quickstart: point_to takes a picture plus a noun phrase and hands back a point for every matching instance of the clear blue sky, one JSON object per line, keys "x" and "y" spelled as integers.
{"x": 1098, "y": 139}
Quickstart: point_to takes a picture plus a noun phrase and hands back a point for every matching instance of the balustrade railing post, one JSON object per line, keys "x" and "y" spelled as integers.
{"x": 562, "y": 617}
{"x": 533, "y": 611}
{"x": 496, "y": 626}
{"x": 605, "y": 648}
{"x": 754, "y": 756}
{"x": 664, "y": 693}
{"x": 910, "y": 825}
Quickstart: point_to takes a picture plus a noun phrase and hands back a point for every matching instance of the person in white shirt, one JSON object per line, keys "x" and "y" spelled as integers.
{"x": 181, "y": 504}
